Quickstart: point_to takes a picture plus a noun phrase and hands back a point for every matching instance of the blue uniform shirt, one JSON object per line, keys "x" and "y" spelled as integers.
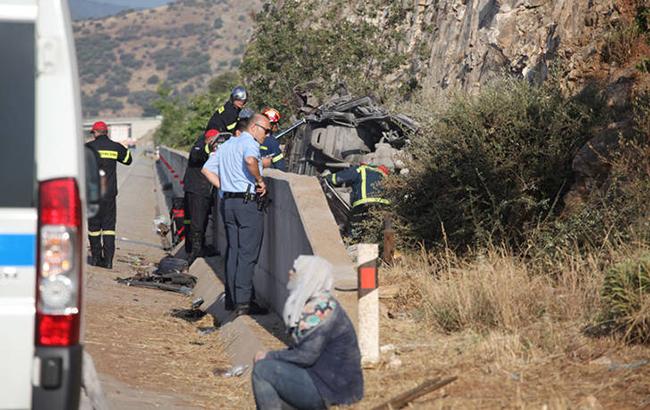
{"x": 271, "y": 148}
{"x": 229, "y": 163}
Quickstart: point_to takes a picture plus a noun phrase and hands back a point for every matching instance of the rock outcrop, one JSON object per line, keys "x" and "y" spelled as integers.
{"x": 461, "y": 44}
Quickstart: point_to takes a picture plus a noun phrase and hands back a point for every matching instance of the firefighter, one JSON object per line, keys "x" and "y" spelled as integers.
{"x": 271, "y": 147}
{"x": 365, "y": 180}
{"x": 198, "y": 195}
{"x": 226, "y": 116}
{"x": 101, "y": 227}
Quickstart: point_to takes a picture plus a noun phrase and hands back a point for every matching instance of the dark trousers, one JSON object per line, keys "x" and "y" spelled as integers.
{"x": 276, "y": 382}
{"x": 101, "y": 231}
{"x": 197, "y": 209}
{"x": 244, "y": 229}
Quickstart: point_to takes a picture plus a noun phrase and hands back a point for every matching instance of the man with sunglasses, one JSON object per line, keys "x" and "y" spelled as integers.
{"x": 236, "y": 170}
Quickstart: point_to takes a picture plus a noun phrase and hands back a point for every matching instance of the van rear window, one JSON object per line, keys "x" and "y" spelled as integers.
{"x": 17, "y": 114}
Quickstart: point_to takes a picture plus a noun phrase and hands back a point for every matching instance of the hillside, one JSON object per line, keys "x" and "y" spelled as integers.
{"x": 87, "y": 9}
{"x": 124, "y": 58}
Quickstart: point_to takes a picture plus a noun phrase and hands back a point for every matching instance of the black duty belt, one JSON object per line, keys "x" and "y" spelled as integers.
{"x": 240, "y": 195}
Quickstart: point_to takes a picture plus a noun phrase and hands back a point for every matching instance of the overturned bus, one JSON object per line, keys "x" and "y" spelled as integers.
{"x": 344, "y": 132}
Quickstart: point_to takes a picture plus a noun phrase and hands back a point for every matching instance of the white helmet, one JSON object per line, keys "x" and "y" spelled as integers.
{"x": 238, "y": 93}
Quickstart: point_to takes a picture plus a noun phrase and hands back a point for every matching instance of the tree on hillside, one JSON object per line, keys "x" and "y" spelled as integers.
{"x": 288, "y": 50}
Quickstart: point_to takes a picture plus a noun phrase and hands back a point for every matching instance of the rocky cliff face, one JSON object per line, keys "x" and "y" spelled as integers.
{"x": 459, "y": 44}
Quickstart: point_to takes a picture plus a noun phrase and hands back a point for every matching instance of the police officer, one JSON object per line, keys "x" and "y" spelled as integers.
{"x": 198, "y": 195}
{"x": 226, "y": 116}
{"x": 101, "y": 227}
{"x": 365, "y": 181}
{"x": 236, "y": 171}
{"x": 271, "y": 147}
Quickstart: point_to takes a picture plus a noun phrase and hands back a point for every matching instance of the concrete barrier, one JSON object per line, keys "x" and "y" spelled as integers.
{"x": 297, "y": 222}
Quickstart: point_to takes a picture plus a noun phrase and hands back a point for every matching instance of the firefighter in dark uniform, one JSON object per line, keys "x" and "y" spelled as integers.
{"x": 271, "y": 147}
{"x": 365, "y": 181}
{"x": 101, "y": 227}
{"x": 198, "y": 195}
{"x": 226, "y": 116}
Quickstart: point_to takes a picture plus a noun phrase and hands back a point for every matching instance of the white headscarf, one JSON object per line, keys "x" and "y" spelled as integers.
{"x": 313, "y": 275}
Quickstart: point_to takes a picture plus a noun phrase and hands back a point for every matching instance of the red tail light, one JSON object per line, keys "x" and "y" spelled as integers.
{"x": 59, "y": 203}
{"x": 58, "y": 295}
{"x": 58, "y": 330}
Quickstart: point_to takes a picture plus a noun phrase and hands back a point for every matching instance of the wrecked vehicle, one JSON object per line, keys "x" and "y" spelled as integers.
{"x": 344, "y": 132}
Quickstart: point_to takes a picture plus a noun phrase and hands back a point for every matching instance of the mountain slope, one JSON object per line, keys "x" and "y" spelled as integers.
{"x": 88, "y": 9}
{"x": 124, "y": 58}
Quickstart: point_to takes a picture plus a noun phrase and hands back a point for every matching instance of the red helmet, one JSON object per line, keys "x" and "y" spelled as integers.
{"x": 211, "y": 133}
{"x": 99, "y": 126}
{"x": 272, "y": 114}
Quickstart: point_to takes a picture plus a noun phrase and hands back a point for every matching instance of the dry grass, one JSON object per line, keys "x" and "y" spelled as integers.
{"x": 494, "y": 290}
{"x": 514, "y": 336}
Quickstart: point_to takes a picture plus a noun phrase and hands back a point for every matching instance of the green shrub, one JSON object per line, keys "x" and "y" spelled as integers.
{"x": 644, "y": 65}
{"x": 615, "y": 212}
{"x": 112, "y": 104}
{"x": 620, "y": 43}
{"x": 489, "y": 168}
{"x": 626, "y": 298}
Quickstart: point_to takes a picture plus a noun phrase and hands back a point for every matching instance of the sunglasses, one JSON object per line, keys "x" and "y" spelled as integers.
{"x": 267, "y": 131}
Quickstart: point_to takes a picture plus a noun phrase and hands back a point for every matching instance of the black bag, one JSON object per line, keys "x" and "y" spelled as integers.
{"x": 169, "y": 264}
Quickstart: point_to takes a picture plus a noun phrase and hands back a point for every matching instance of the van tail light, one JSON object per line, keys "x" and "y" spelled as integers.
{"x": 58, "y": 282}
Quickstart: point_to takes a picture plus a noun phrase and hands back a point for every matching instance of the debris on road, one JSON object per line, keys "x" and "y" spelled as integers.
{"x": 190, "y": 315}
{"x": 196, "y": 303}
{"x": 204, "y": 331}
{"x": 171, "y": 275}
{"x": 235, "y": 371}
{"x": 162, "y": 226}
{"x": 628, "y": 366}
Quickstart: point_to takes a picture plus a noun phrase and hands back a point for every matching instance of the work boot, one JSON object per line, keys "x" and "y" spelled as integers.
{"x": 255, "y": 309}
{"x": 95, "y": 251}
{"x": 250, "y": 309}
{"x": 242, "y": 309}
{"x": 93, "y": 261}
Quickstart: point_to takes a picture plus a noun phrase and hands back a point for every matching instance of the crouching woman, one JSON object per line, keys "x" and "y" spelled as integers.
{"x": 323, "y": 366}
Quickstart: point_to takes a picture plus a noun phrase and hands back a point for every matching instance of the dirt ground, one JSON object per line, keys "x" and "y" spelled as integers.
{"x": 134, "y": 340}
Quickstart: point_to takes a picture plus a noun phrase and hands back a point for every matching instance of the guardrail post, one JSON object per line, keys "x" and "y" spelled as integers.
{"x": 368, "y": 291}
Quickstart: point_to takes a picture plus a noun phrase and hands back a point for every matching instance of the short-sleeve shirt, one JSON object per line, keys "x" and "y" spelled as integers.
{"x": 229, "y": 162}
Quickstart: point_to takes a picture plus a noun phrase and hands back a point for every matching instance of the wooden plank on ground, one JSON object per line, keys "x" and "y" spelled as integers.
{"x": 408, "y": 396}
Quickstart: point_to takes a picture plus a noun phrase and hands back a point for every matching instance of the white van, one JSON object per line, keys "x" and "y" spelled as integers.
{"x": 42, "y": 207}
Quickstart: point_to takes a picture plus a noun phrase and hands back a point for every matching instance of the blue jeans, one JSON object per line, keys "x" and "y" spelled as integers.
{"x": 276, "y": 382}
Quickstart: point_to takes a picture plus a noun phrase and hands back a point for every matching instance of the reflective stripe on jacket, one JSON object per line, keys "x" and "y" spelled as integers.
{"x": 109, "y": 153}
{"x": 364, "y": 180}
